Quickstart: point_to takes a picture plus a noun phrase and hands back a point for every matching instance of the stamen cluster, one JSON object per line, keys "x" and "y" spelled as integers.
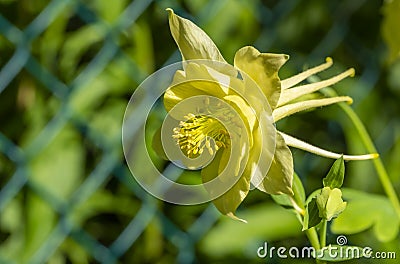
{"x": 198, "y": 132}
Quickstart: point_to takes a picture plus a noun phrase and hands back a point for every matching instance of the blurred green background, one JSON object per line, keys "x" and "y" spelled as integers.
{"x": 68, "y": 69}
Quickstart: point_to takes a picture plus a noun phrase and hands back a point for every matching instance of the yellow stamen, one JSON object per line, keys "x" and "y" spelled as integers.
{"x": 194, "y": 134}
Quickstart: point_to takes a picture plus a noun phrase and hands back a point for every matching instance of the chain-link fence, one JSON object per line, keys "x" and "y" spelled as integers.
{"x": 68, "y": 68}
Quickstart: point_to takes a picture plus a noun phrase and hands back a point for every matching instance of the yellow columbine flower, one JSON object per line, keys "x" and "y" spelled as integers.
{"x": 198, "y": 131}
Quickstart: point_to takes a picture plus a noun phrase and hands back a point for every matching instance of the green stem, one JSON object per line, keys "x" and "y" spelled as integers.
{"x": 322, "y": 238}
{"x": 322, "y": 233}
{"x": 369, "y": 145}
{"x": 312, "y": 236}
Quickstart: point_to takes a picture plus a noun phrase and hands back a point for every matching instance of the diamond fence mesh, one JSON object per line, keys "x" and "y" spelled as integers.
{"x": 68, "y": 68}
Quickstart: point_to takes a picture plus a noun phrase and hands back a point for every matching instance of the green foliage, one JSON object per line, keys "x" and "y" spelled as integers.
{"x": 265, "y": 223}
{"x": 298, "y": 190}
{"x": 311, "y": 217}
{"x": 61, "y": 160}
{"x": 365, "y": 211}
{"x": 335, "y": 176}
{"x": 69, "y": 131}
{"x": 326, "y": 203}
{"x": 390, "y": 28}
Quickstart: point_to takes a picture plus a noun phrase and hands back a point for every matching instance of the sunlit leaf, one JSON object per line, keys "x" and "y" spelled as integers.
{"x": 266, "y": 222}
{"x": 335, "y": 176}
{"x": 364, "y": 211}
{"x": 298, "y": 190}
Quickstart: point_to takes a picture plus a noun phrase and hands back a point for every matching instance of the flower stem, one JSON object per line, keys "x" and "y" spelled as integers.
{"x": 312, "y": 236}
{"x": 322, "y": 233}
{"x": 369, "y": 145}
{"x": 299, "y": 208}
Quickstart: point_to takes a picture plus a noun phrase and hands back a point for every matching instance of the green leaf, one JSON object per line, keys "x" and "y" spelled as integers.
{"x": 279, "y": 178}
{"x": 263, "y": 69}
{"x": 267, "y": 222}
{"x": 365, "y": 210}
{"x": 192, "y": 41}
{"x": 314, "y": 194}
{"x": 299, "y": 193}
{"x": 336, "y": 253}
{"x": 311, "y": 217}
{"x": 298, "y": 190}
{"x": 390, "y": 28}
{"x": 283, "y": 200}
{"x": 335, "y": 176}
{"x": 330, "y": 203}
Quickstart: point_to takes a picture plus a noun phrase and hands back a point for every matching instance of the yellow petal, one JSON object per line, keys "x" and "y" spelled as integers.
{"x": 263, "y": 150}
{"x": 195, "y": 80}
{"x": 192, "y": 41}
{"x": 234, "y": 217}
{"x": 182, "y": 91}
{"x": 279, "y": 178}
{"x": 246, "y": 112}
{"x": 229, "y": 201}
{"x": 263, "y": 69}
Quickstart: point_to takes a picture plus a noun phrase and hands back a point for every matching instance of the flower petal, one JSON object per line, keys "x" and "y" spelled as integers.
{"x": 192, "y": 41}
{"x": 280, "y": 175}
{"x": 292, "y": 81}
{"x": 195, "y": 80}
{"x": 182, "y": 91}
{"x": 262, "y": 152}
{"x": 290, "y": 109}
{"x": 263, "y": 69}
{"x": 293, "y": 93}
{"x": 247, "y": 114}
{"x": 228, "y": 202}
{"x": 330, "y": 203}
{"x": 297, "y": 143}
